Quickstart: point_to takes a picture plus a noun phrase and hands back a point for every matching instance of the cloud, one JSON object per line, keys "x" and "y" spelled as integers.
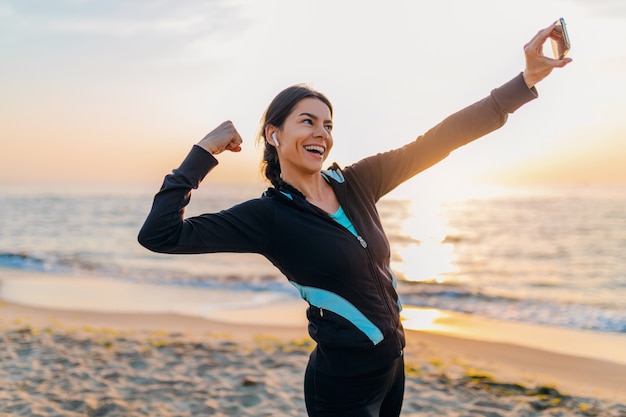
{"x": 140, "y": 34}
{"x": 122, "y": 18}
{"x": 125, "y": 27}
{"x": 209, "y": 48}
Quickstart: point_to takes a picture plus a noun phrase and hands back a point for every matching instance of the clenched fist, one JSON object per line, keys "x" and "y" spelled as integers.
{"x": 223, "y": 138}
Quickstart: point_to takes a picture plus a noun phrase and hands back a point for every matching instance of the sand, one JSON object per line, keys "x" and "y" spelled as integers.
{"x": 72, "y": 362}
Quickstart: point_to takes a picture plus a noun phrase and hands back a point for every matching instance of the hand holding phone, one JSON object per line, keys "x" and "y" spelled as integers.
{"x": 537, "y": 66}
{"x": 560, "y": 40}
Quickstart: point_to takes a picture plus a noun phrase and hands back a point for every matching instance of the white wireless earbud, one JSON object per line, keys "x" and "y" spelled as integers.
{"x": 274, "y": 139}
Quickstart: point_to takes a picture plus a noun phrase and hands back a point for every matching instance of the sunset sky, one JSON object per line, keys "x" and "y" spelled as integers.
{"x": 118, "y": 91}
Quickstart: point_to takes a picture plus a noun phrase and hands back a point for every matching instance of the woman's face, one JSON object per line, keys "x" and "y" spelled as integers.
{"x": 305, "y": 138}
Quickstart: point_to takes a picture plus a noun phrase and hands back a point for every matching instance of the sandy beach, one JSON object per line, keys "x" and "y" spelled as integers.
{"x": 77, "y": 362}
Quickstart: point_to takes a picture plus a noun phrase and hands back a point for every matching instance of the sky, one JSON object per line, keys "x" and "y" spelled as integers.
{"x": 112, "y": 91}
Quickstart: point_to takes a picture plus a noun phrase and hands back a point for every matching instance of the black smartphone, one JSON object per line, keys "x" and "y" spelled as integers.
{"x": 560, "y": 40}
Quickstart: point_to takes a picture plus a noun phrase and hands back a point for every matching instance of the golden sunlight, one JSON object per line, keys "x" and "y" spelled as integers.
{"x": 430, "y": 261}
{"x": 414, "y": 318}
{"x": 432, "y": 258}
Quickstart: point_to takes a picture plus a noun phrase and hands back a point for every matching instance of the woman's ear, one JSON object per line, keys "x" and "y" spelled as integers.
{"x": 270, "y": 135}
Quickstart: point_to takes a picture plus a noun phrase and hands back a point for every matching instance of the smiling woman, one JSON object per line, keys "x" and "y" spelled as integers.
{"x": 322, "y": 230}
{"x": 305, "y": 140}
{"x": 297, "y": 110}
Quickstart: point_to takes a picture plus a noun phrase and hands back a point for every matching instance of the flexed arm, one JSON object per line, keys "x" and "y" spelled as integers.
{"x": 241, "y": 228}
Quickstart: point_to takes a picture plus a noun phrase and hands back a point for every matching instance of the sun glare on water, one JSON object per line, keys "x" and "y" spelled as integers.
{"x": 422, "y": 318}
{"x": 430, "y": 261}
{"x": 426, "y": 250}
{"x": 427, "y": 255}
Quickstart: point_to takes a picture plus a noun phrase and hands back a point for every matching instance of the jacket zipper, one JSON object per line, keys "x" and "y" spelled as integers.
{"x": 385, "y": 297}
{"x": 370, "y": 263}
{"x": 364, "y": 245}
{"x": 376, "y": 276}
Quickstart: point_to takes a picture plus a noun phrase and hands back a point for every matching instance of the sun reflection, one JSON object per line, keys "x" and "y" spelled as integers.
{"x": 427, "y": 256}
{"x": 430, "y": 261}
{"x": 414, "y": 318}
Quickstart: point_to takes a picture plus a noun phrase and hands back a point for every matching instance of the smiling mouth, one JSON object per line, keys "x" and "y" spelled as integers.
{"x": 315, "y": 149}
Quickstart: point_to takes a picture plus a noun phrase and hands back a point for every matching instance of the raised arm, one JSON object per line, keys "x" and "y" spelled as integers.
{"x": 242, "y": 228}
{"x": 387, "y": 170}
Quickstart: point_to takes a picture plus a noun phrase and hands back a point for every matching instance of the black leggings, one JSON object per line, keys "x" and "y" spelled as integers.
{"x": 377, "y": 394}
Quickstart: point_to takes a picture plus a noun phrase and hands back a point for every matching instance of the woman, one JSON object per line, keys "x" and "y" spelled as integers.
{"x": 322, "y": 230}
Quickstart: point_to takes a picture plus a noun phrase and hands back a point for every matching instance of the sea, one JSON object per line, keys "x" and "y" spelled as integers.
{"x": 553, "y": 256}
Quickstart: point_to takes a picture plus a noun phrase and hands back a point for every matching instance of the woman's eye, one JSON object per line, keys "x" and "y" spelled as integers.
{"x": 329, "y": 128}
{"x": 308, "y": 121}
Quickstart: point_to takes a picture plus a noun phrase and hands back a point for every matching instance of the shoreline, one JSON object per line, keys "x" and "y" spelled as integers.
{"x": 448, "y": 343}
{"x": 280, "y": 310}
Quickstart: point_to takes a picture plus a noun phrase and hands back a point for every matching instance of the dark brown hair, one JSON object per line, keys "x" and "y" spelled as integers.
{"x": 277, "y": 112}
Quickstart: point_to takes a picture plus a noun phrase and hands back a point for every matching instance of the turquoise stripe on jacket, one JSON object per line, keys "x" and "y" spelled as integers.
{"x": 327, "y": 300}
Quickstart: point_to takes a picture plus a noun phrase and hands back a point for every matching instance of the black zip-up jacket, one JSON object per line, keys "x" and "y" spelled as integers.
{"x": 354, "y": 310}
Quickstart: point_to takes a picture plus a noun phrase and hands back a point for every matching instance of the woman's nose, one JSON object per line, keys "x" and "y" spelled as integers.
{"x": 322, "y": 132}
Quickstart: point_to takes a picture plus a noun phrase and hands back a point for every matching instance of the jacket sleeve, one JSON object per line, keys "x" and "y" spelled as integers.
{"x": 242, "y": 228}
{"x": 386, "y": 171}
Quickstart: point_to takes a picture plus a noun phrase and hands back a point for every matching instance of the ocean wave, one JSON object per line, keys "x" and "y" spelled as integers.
{"x": 453, "y": 297}
{"x": 23, "y": 260}
{"x": 46, "y": 262}
{"x": 164, "y": 275}
{"x": 466, "y": 300}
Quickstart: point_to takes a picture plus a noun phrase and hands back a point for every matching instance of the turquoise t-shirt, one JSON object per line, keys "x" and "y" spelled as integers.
{"x": 340, "y": 217}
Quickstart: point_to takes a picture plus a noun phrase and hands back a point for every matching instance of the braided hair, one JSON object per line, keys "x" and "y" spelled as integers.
{"x": 277, "y": 112}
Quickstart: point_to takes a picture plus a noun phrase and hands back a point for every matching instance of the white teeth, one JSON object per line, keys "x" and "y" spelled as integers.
{"x": 319, "y": 149}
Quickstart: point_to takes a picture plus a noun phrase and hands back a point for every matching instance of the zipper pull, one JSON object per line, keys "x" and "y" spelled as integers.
{"x": 362, "y": 241}
{"x": 321, "y": 313}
